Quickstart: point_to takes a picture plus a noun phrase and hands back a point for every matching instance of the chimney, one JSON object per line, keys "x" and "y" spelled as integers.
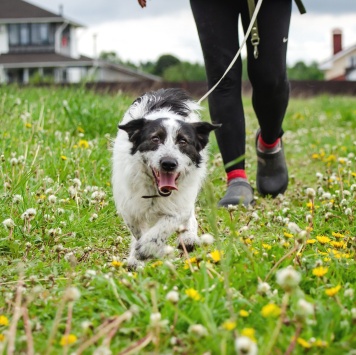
{"x": 337, "y": 41}
{"x": 61, "y": 10}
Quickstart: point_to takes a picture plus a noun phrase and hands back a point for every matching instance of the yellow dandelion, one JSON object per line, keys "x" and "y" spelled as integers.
{"x": 286, "y": 245}
{"x": 316, "y": 156}
{"x": 320, "y": 271}
{"x": 311, "y": 241}
{"x": 80, "y": 129}
{"x": 336, "y": 244}
{"x": 337, "y": 235}
{"x": 4, "y": 320}
{"x": 304, "y": 343}
{"x": 332, "y": 291}
{"x": 157, "y": 263}
{"x": 193, "y": 294}
{"x": 28, "y": 125}
{"x": 63, "y": 157}
{"x": 288, "y": 235}
{"x": 192, "y": 260}
{"x": 267, "y": 246}
{"x": 320, "y": 343}
{"x": 229, "y": 325}
{"x": 249, "y": 332}
{"x": 2, "y": 338}
{"x": 68, "y": 339}
{"x": 322, "y": 239}
{"x": 326, "y": 260}
{"x": 270, "y": 310}
{"x": 83, "y": 144}
{"x": 244, "y": 313}
{"x": 353, "y": 174}
{"x": 116, "y": 263}
{"x": 216, "y": 255}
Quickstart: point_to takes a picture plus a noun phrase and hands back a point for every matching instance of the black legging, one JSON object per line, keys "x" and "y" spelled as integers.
{"x": 217, "y": 24}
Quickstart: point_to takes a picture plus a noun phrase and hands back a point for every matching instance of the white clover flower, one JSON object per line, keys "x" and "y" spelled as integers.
{"x": 72, "y": 294}
{"x": 198, "y": 329}
{"x": 86, "y": 325}
{"x": 255, "y": 216}
{"x": 102, "y": 350}
{"x": 168, "y": 250}
{"x": 52, "y": 199}
{"x": 347, "y": 193}
{"x": 310, "y": 192}
{"x": 348, "y": 211}
{"x": 263, "y": 288}
{"x": 17, "y": 199}
{"x": 60, "y": 211}
{"x": 29, "y": 214}
{"x": 309, "y": 218}
{"x": 72, "y": 191}
{"x": 93, "y": 217}
{"x": 349, "y": 293}
{"x": 155, "y": 319}
{"x": 245, "y": 346}
{"x": 48, "y": 180}
{"x": 326, "y": 196}
{"x": 207, "y": 239}
{"x": 304, "y": 308}
{"x": 319, "y": 175}
{"x": 293, "y": 228}
{"x": 172, "y": 296}
{"x": 320, "y": 190}
{"x": 288, "y": 278}
{"x": 8, "y": 223}
{"x": 76, "y": 183}
{"x": 14, "y": 161}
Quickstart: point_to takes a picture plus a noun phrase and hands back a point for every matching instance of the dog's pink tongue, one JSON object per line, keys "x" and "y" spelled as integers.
{"x": 167, "y": 181}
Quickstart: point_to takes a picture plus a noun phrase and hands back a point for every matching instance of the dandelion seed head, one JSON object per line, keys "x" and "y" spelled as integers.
{"x": 8, "y": 223}
{"x": 172, "y": 296}
{"x": 72, "y": 294}
{"x": 304, "y": 308}
{"x": 17, "y": 199}
{"x": 264, "y": 288}
{"x": 245, "y": 346}
{"x": 207, "y": 239}
{"x": 155, "y": 319}
{"x": 288, "y": 278}
{"x": 310, "y": 192}
{"x": 52, "y": 199}
{"x": 198, "y": 329}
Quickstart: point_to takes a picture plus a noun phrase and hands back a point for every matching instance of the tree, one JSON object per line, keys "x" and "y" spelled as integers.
{"x": 164, "y": 62}
{"x": 302, "y": 71}
{"x": 185, "y": 71}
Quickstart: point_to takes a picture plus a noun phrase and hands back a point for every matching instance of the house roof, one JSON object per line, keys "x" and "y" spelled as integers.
{"x": 327, "y": 64}
{"x": 127, "y": 70}
{"x": 19, "y": 11}
{"x": 36, "y": 60}
{"x": 51, "y": 60}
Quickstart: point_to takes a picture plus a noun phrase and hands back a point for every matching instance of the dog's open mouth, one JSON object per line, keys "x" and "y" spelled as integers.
{"x": 166, "y": 181}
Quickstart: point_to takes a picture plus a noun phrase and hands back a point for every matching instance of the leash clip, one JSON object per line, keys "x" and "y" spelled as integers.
{"x": 255, "y": 40}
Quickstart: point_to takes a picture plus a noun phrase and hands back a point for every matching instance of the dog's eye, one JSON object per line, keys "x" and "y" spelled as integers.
{"x": 155, "y": 139}
{"x": 182, "y": 141}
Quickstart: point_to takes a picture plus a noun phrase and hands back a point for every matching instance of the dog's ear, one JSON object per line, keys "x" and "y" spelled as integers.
{"x": 203, "y": 130}
{"x": 133, "y": 128}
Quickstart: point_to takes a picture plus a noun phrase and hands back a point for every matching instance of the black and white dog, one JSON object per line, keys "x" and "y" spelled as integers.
{"x": 159, "y": 163}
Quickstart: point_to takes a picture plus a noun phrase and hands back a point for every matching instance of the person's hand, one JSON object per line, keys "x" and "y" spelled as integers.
{"x": 142, "y": 3}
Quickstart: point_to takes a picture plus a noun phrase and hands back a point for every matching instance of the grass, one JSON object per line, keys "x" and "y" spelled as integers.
{"x": 64, "y": 287}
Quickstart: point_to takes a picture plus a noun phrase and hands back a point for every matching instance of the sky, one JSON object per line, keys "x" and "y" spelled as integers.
{"x": 167, "y": 27}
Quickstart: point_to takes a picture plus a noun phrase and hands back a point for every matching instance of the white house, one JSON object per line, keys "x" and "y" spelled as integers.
{"x": 342, "y": 64}
{"x": 36, "y": 42}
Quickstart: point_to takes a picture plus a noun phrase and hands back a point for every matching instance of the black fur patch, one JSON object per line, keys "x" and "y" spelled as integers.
{"x": 192, "y": 138}
{"x": 145, "y": 135}
{"x": 174, "y": 99}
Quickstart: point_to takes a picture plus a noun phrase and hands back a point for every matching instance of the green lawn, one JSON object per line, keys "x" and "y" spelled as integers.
{"x": 64, "y": 287}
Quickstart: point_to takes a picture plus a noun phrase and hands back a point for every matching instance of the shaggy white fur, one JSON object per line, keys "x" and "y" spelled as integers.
{"x": 152, "y": 220}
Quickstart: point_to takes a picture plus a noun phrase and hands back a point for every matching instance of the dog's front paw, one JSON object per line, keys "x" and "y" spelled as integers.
{"x": 146, "y": 250}
{"x": 189, "y": 240}
{"x": 134, "y": 264}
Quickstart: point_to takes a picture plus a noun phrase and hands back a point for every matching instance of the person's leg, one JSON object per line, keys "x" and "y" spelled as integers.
{"x": 268, "y": 76}
{"x": 268, "y": 73}
{"x": 217, "y": 25}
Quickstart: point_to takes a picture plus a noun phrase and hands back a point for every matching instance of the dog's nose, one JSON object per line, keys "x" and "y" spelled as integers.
{"x": 168, "y": 164}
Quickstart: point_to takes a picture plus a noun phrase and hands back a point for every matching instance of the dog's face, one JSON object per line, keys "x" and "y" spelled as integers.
{"x": 169, "y": 147}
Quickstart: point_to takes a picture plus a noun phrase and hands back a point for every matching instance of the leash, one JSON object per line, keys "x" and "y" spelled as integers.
{"x": 254, "y": 38}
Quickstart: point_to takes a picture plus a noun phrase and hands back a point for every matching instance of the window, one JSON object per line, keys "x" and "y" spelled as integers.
{"x": 24, "y": 34}
{"x": 31, "y": 34}
{"x": 13, "y": 35}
